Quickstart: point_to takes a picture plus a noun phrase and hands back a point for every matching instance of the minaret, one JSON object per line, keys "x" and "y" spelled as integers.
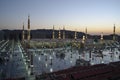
{"x": 23, "y": 37}
{"x": 86, "y": 33}
{"x": 53, "y": 34}
{"x": 83, "y": 39}
{"x": 59, "y": 34}
{"x": 101, "y": 36}
{"x": 75, "y": 36}
{"x": 114, "y": 33}
{"x": 29, "y": 55}
{"x": 63, "y": 32}
{"x": 28, "y": 35}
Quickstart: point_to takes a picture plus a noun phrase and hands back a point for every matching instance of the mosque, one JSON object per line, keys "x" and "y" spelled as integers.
{"x": 60, "y": 58}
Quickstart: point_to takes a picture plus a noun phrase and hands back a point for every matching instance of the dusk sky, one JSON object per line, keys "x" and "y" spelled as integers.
{"x": 97, "y": 15}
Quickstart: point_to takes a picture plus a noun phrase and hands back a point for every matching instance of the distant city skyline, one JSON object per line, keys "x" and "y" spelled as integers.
{"x": 97, "y": 15}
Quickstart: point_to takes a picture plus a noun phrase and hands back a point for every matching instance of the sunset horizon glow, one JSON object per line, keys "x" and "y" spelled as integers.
{"x": 97, "y": 15}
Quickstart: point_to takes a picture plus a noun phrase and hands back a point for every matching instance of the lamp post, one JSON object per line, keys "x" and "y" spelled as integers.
{"x": 51, "y": 69}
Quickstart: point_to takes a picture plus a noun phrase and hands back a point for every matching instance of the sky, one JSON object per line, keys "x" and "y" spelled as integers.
{"x": 97, "y": 15}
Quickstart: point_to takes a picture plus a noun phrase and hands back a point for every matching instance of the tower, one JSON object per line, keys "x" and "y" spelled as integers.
{"x": 75, "y": 36}
{"x": 59, "y": 34}
{"x": 114, "y": 33}
{"x": 23, "y": 33}
{"x": 86, "y": 33}
{"x": 101, "y": 36}
{"x": 30, "y": 55}
{"x": 83, "y": 39}
{"x": 53, "y": 34}
{"x": 63, "y": 32}
{"x": 28, "y": 34}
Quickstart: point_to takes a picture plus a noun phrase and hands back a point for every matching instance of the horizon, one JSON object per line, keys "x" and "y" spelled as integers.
{"x": 98, "y": 16}
{"x": 65, "y": 30}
